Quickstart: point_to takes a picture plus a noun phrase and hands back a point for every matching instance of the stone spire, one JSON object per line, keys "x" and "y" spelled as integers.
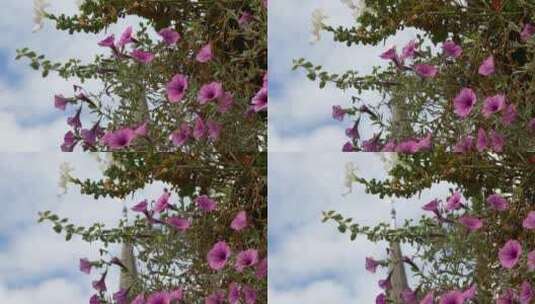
{"x": 398, "y": 277}
{"x": 128, "y": 259}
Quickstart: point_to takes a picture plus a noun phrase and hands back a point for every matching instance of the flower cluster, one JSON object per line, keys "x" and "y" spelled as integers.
{"x": 165, "y": 213}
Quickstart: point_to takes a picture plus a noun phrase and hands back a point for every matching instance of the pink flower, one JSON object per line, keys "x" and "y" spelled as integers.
{"x": 487, "y": 66}
{"x": 471, "y": 223}
{"x": 142, "y": 129}
{"x": 451, "y": 49}
{"x": 239, "y": 222}
{"x": 108, "y": 41}
{"x": 205, "y": 203}
{"x": 179, "y": 223}
{"x": 159, "y": 298}
{"x": 470, "y": 293}
{"x": 176, "y": 88}
{"x": 214, "y": 130}
{"x": 120, "y": 296}
{"x": 497, "y": 202}
{"x": 140, "y": 299}
{"x": 94, "y": 300}
{"x": 162, "y": 203}
{"x": 507, "y": 297}
{"x": 493, "y": 105}
{"x": 482, "y": 140}
{"x": 371, "y": 264}
{"x": 262, "y": 268}
{"x": 234, "y": 293}
{"x": 169, "y": 35}
{"x": 182, "y": 135}
{"x": 509, "y": 115}
{"x": 176, "y": 295}
{"x": 217, "y": 297}
{"x": 426, "y": 70}
{"x": 218, "y": 256}
{"x": 380, "y": 299}
{"x": 454, "y": 201}
{"x": 431, "y": 206}
{"x": 391, "y": 54}
{"x": 510, "y": 254}
{"x": 531, "y": 260}
{"x": 452, "y": 297}
{"x": 142, "y": 56}
{"x": 464, "y": 145}
{"x": 497, "y": 141}
{"x": 529, "y": 221}
{"x": 209, "y": 92}
{"x": 246, "y": 259}
{"x": 85, "y": 266}
{"x": 249, "y": 294}
{"x": 119, "y": 139}
{"x": 199, "y": 130}
{"x": 464, "y": 102}
{"x": 338, "y": 113}
{"x": 260, "y": 100}
{"x": 60, "y": 102}
{"x": 527, "y": 32}
{"x": 428, "y": 299}
{"x": 409, "y": 50}
{"x": 408, "y": 296}
{"x": 141, "y": 206}
{"x": 126, "y": 37}
{"x": 526, "y": 293}
{"x": 205, "y": 54}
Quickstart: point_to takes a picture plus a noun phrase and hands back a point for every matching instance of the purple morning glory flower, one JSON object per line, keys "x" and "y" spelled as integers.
{"x": 94, "y": 300}
{"x": 371, "y": 264}
{"x": 432, "y": 206}
{"x": 260, "y": 100}
{"x": 428, "y": 299}
{"x": 338, "y": 113}
{"x": 209, "y": 92}
{"x": 261, "y": 269}
{"x": 176, "y": 88}
{"x": 205, "y": 54}
{"x": 426, "y": 70}
{"x": 487, "y": 67}
{"x": 100, "y": 285}
{"x": 390, "y": 54}
{"x": 199, "y": 130}
{"x": 482, "y": 140}
{"x": 380, "y": 299}
{"x": 529, "y": 221}
{"x": 140, "y": 299}
{"x": 246, "y": 259}
{"x": 225, "y": 102}
{"x": 464, "y": 102}
{"x": 69, "y": 141}
{"x": 218, "y": 256}
{"x": 159, "y": 298}
{"x": 245, "y": 18}
{"x": 452, "y": 297}
{"x": 497, "y": 202}
{"x": 470, "y": 293}
{"x": 234, "y": 293}
{"x": 526, "y": 293}
{"x": 169, "y": 35}
{"x": 120, "y": 296}
{"x": 249, "y": 295}
{"x": 493, "y": 104}
{"x": 507, "y": 297}
{"x": 409, "y": 50}
{"x": 141, "y": 206}
{"x": 108, "y": 41}
{"x": 451, "y": 49}
{"x": 531, "y": 260}
{"x": 179, "y": 223}
{"x": 454, "y": 201}
{"x": 471, "y": 223}
{"x": 182, "y": 135}
{"x": 126, "y": 37}
{"x": 408, "y": 296}
{"x": 497, "y": 141}
{"x": 464, "y": 145}
{"x": 239, "y": 222}
{"x": 85, "y": 266}
{"x": 510, "y": 254}
{"x": 509, "y": 115}
{"x": 527, "y": 32}
{"x": 75, "y": 121}
{"x": 142, "y": 56}
{"x": 119, "y": 139}
{"x": 60, "y": 102}
{"x": 348, "y": 147}
{"x": 214, "y": 129}
{"x": 205, "y": 203}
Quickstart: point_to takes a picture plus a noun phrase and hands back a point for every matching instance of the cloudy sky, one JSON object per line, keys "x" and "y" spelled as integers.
{"x": 37, "y": 265}
{"x": 300, "y": 112}
{"x": 311, "y": 262}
